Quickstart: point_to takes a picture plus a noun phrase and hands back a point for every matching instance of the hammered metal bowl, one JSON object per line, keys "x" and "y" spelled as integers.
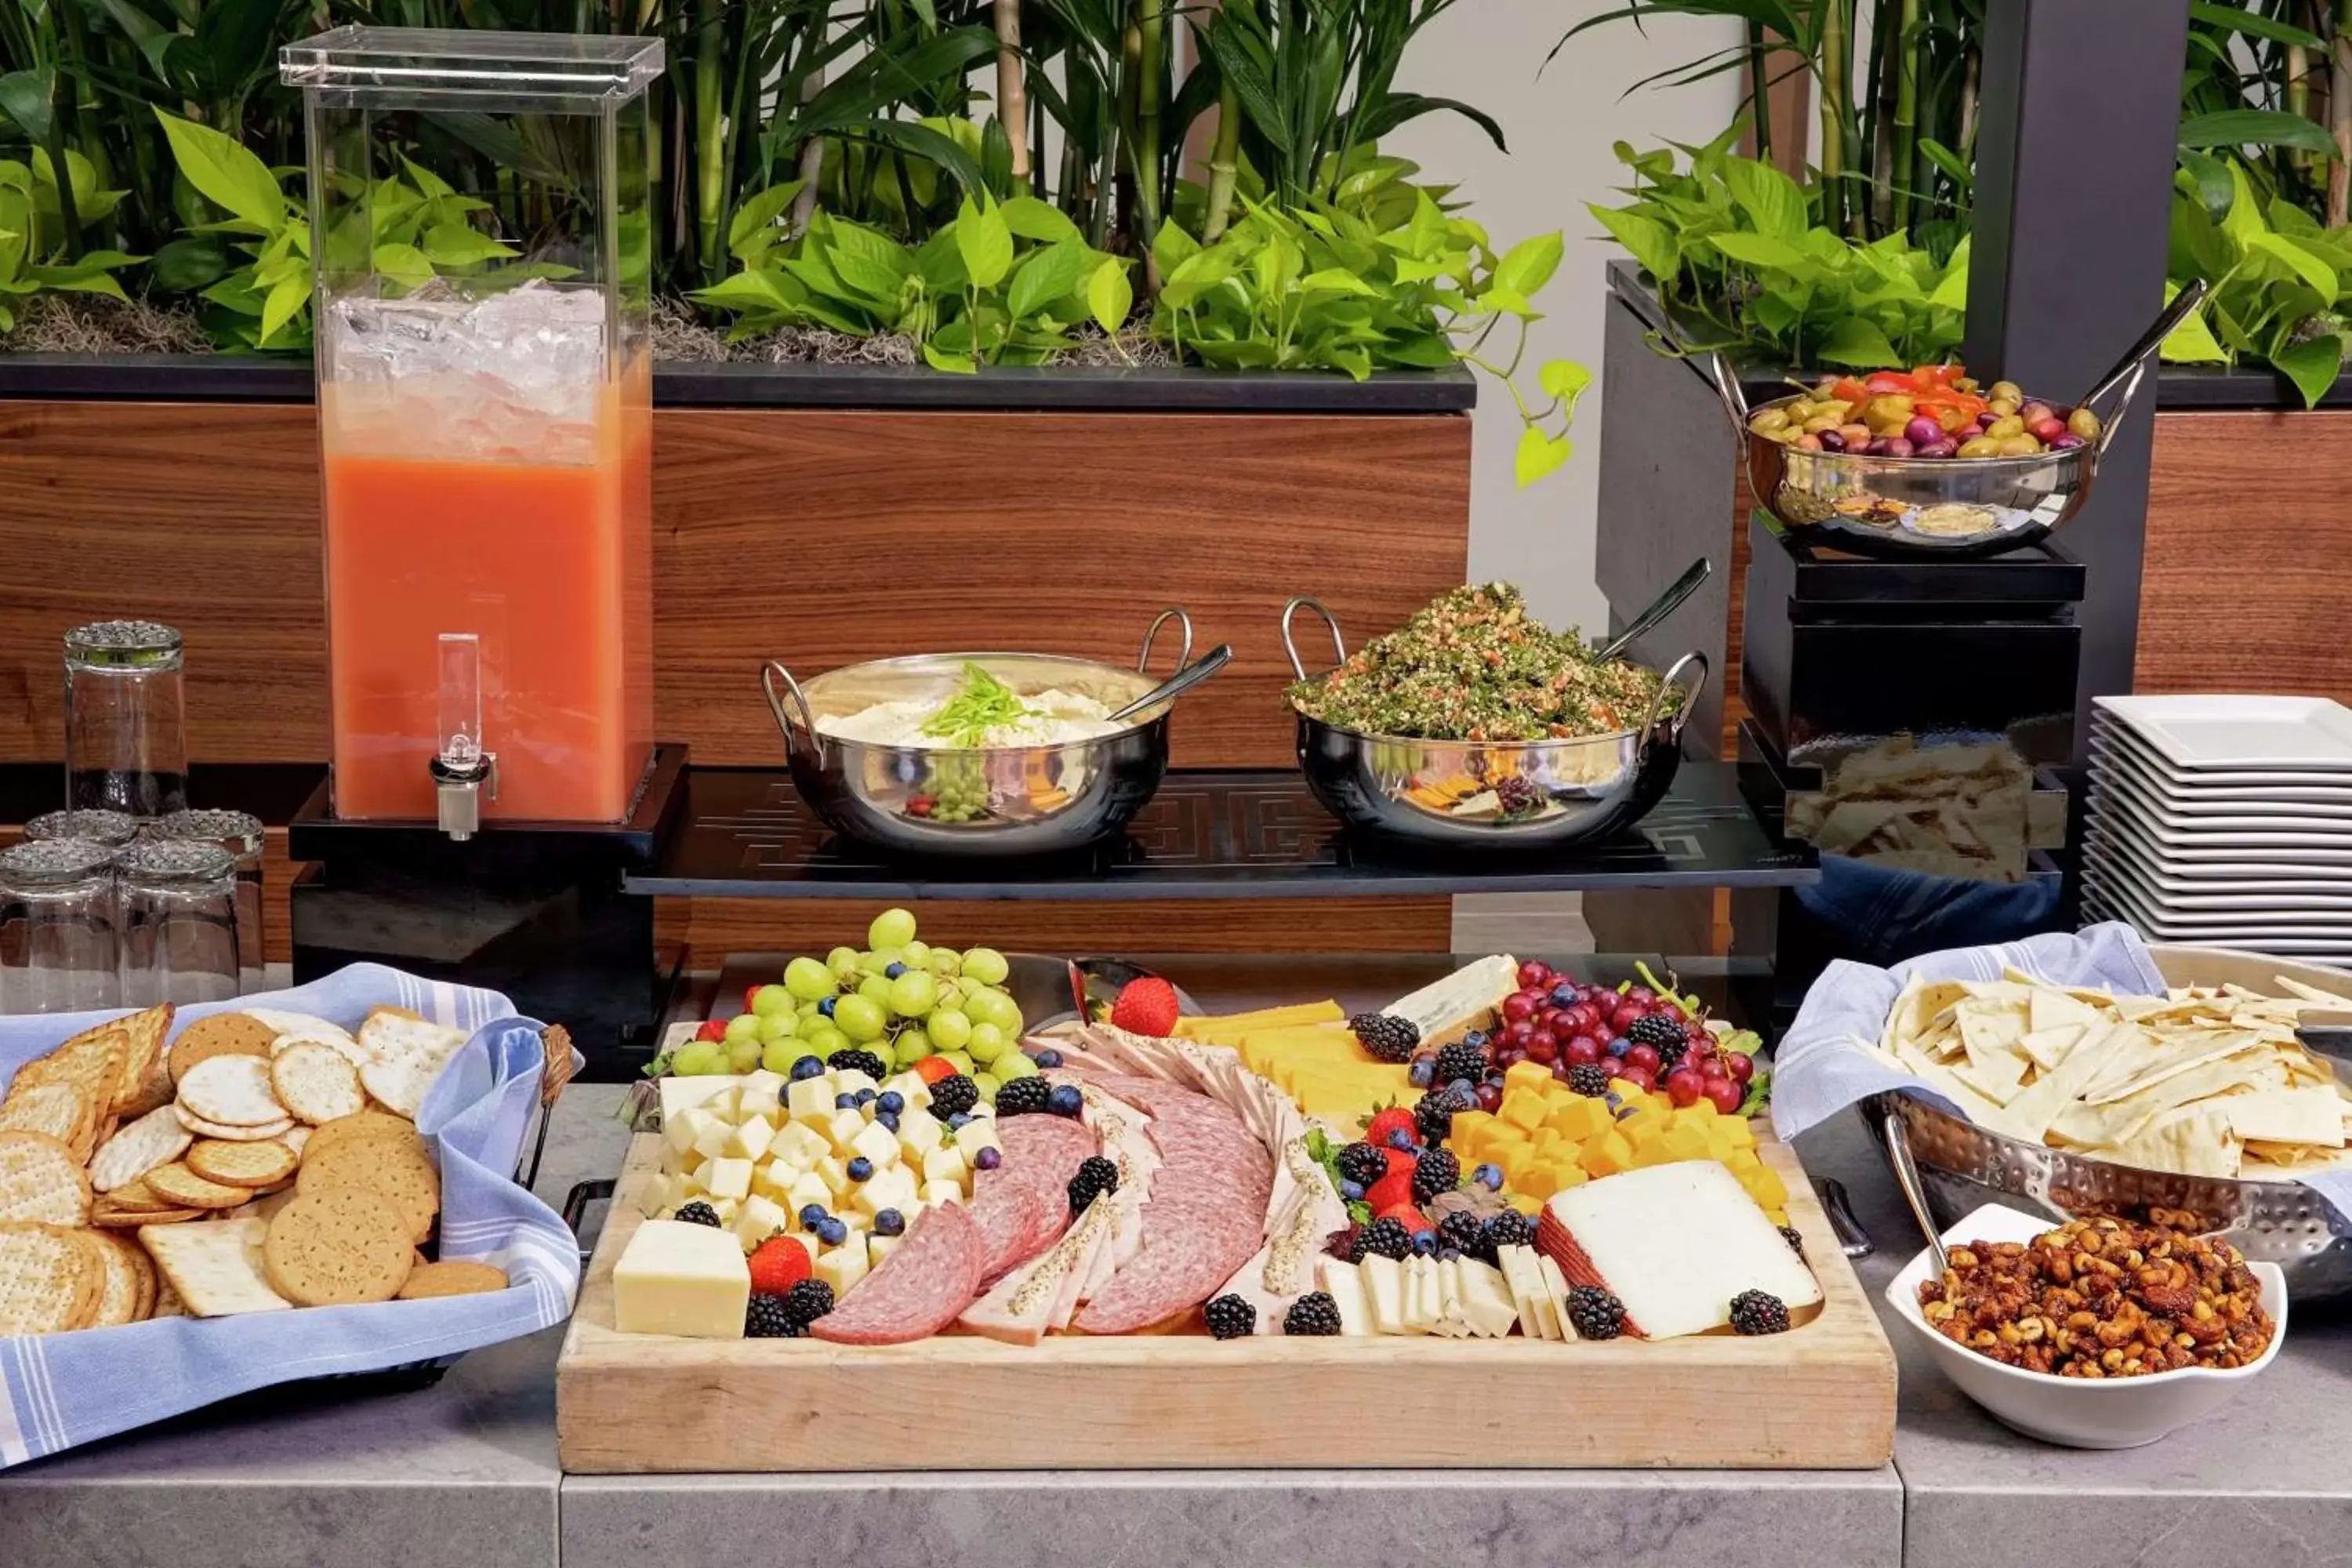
{"x": 1962, "y": 1167}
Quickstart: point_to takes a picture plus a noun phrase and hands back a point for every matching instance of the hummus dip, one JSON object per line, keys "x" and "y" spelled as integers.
{"x": 1054, "y": 718}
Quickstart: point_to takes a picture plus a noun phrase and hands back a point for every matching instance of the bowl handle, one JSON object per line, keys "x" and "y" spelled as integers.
{"x": 1152, "y": 633}
{"x": 2122, "y": 407}
{"x": 1673, "y": 727}
{"x": 773, "y": 671}
{"x": 1727, "y": 387}
{"x": 1297, "y": 665}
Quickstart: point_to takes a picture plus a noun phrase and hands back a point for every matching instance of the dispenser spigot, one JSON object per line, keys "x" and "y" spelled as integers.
{"x": 463, "y": 773}
{"x": 458, "y": 790}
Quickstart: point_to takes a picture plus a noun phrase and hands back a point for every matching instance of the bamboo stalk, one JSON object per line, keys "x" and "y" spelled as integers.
{"x": 1011, "y": 91}
{"x": 2339, "y": 113}
{"x": 1759, "y": 91}
{"x": 1224, "y": 163}
{"x": 1835, "y": 82}
{"x": 1152, "y": 29}
{"x": 2297, "y": 102}
{"x": 1908, "y": 46}
{"x": 709, "y": 139}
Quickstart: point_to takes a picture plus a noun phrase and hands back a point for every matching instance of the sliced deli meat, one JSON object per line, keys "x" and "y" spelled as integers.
{"x": 920, "y": 1289}
{"x": 1206, "y": 1215}
{"x": 1606, "y": 1233}
{"x": 1041, "y": 1294}
{"x": 1024, "y": 1203}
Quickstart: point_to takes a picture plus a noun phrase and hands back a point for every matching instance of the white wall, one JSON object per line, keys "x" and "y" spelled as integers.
{"x": 1559, "y": 127}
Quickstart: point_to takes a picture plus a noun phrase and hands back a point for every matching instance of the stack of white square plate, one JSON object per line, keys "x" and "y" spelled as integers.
{"x": 2223, "y": 821}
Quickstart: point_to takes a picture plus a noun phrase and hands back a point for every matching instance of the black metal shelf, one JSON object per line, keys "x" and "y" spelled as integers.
{"x": 1209, "y": 834}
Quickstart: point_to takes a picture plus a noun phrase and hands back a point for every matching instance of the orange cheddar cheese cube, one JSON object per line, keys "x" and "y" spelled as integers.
{"x": 1523, "y": 1109}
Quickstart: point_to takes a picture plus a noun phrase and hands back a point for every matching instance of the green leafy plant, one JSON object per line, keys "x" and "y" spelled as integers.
{"x": 1745, "y": 266}
{"x": 2278, "y": 281}
{"x": 35, "y": 255}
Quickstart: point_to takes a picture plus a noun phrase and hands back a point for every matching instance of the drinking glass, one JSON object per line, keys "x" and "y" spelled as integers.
{"x": 239, "y": 833}
{"x": 56, "y": 927}
{"x": 112, "y": 828}
{"x": 179, "y": 922}
{"x": 126, "y": 718}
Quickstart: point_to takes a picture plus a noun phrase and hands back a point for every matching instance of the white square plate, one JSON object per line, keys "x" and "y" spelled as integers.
{"x": 2193, "y": 815}
{"x": 2287, "y": 878}
{"x": 2234, "y": 731}
{"x": 2299, "y": 942}
{"x": 2118, "y": 747}
{"x": 2234, "y": 897}
{"x": 2126, "y": 817}
{"x": 2216, "y": 925}
{"x": 2295, "y": 852}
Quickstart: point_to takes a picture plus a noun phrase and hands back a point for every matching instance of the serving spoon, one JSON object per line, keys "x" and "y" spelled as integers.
{"x": 1665, "y": 604}
{"x": 1176, "y": 685}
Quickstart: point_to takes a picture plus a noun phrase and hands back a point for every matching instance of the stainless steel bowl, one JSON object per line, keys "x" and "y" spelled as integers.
{"x": 1963, "y": 1166}
{"x": 1453, "y": 792}
{"x": 1916, "y": 507}
{"x": 1038, "y": 800}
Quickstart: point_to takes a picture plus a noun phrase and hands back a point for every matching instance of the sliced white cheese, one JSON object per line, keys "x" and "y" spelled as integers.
{"x": 1524, "y": 1278}
{"x": 679, "y": 1278}
{"x": 1556, "y": 1298}
{"x": 1420, "y": 1295}
{"x": 1383, "y": 1282}
{"x": 1445, "y": 1009}
{"x": 1453, "y": 1317}
{"x": 1487, "y": 1300}
{"x": 1339, "y": 1280}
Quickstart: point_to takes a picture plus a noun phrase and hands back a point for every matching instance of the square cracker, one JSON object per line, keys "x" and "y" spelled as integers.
{"x": 215, "y": 1270}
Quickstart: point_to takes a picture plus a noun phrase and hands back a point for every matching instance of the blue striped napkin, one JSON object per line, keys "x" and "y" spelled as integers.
{"x": 65, "y": 1389}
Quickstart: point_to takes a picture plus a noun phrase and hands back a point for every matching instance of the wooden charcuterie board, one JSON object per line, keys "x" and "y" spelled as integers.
{"x": 1820, "y": 1397}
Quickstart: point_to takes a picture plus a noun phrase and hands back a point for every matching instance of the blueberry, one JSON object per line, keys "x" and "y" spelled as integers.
{"x": 813, "y": 1215}
{"x": 1350, "y": 1190}
{"x": 892, "y": 971}
{"x": 1563, "y": 994}
{"x": 889, "y": 1121}
{"x": 988, "y": 1158}
{"x": 825, "y": 1008}
{"x": 868, "y": 1096}
{"x": 889, "y": 1222}
{"x": 889, "y": 1102}
{"x": 1048, "y": 1058}
{"x": 833, "y": 1232}
{"x": 1476, "y": 1039}
{"x": 1464, "y": 1085}
{"x": 860, "y": 1169}
{"x": 1424, "y": 1243}
{"x": 845, "y": 1102}
{"x": 959, "y": 1119}
{"x": 1421, "y": 1074}
{"x": 1448, "y": 1255}
{"x": 1620, "y": 1046}
{"x": 1489, "y": 1177}
{"x": 1400, "y": 1139}
{"x": 807, "y": 1067}
{"x": 1066, "y": 1100}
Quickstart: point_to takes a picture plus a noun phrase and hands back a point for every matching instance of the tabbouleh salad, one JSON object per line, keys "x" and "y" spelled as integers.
{"x": 1474, "y": 665}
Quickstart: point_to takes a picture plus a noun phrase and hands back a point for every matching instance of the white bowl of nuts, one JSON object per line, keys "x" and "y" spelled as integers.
{"x": 2095, "y": 1334}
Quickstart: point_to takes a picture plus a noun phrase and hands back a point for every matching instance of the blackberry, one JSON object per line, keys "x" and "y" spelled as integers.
{"x": 1596, "y": 1313}
{"x": 1387, "y": 1037}
{"x": 1663, "y": 1035}
{"x": 1465, "y": 1233}
{"x": 1589, "y": 1079}
{"x": 1230, "y": 1318}
{"x": 1362, "y": 1164}
{"x": 1510, "y": 1229}
{"x": 807, "y": 1302}
{"x": 856, "y": 1061}
{"x": 1796, "y": 1242}
{"x": 1759, "y": 1312}
{"x": 768, "y": 1319}
{"x": 697, "y": 1213}
{"x": 1022, "y": 1097}
{"x": 1433, "y": 1113}
{"x": 1096, "y": 1176}
{"x": 1460, "y": 1059}
{"x": 1438, "y": 1172}
{"x": 1313, "y": 1314}
{"x": 1388, "y": 1237}
{"x": 1518, "y": 795}
{"x": 953, "y": 1096}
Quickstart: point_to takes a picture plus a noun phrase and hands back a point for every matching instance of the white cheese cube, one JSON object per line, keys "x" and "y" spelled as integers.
{"x": 844, "y": 1266}
{"x": 879, "y": 1248}
{"x": 772, "y": 1178}
{"x": 726, "y": 1209}
{"x": 729, "y": 1178}
{"x": 833, "y": 1171}
{"x": 920, "y": 1132}
{"x": 758, "y": 1219}
{"x": 689, "y": 1183}
{"x": 799, "y": 1143}
{"x": 681, "y": 1130}
{"x": 712, "y": 1141}
{"x": 684, "y": 1094}
{"x": 654, "y": 1198}
{"x": 751, "y": 1137}
{"x": 763, "y": 1095}
{"x": 806, "y": 1189}
{"x": 975, "y": 1135}
{"x": 944, "y": 1163}
{"x": 677, "y": 1278}
{"x": 849, "y": 1080}
{"x": 842, "y": 1128}
{"x": 890, "y": 1189}
{"x": 909, "y": 1087}
{"x": 941, "y": 1192}
{"x": 810, "y": 1100}
{"x": 876, "y": 1144}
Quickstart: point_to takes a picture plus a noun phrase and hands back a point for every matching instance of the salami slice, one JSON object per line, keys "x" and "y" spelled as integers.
{"x": 1024, "y": 1203}
{"x": 1205, "y": 1216}
{"x": 920, "y": 1288}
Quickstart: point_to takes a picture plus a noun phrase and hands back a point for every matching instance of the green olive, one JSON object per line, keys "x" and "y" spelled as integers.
{"x": 2008, "y": 425}
{"x": 1980, "y": 446}
{"x": 2084, "y": 422}
{"x": 2004, "y": 406}
{"x": 2006, "y": 392}
{"x": 1766, "y": 421}
{"x": 1821, "y": 422}
{"x": 2020, "y": 446}
{"x": 1894, "y": 409}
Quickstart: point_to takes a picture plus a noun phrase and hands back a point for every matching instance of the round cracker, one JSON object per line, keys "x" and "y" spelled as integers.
{"x": 106, "y": 1218}
{"x": 370, "y": 1121}
{"x": 119, "y": 1301}
{"x": 184, "y": 1187}
{"x": 316, "y": 1083}
{"x": 337, "y": 1246}
{"x": 50, "y": 1282}
{"x": 155, "y": 1139}
{"x": 247, "y": 1165}
{"x": 40, "y": 1181}
{"x": 397, "y": 1167}
{"x": 229, "y": 1135}
{"x": 223, "y": 1034}
{"x": 398, "y": 1086}
{"x": 234, "y": 1090}
{"x": 452, "y": 1279}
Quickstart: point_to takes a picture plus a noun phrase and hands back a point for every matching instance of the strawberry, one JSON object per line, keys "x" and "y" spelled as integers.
{"x": 712, "y": 1029}
{"x": 1395, "y": 1118}
{"x": 1146, "y": 1007}
{"x": 779, "y": 1264}
{"x": 1389, "y": 1191}
{"x": 1414, "y": 1220}
{"x": 1403, "y": 1160}
{"x": 930, "y": 1070}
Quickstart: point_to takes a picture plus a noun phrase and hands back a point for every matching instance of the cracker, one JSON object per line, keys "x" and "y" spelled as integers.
{"x": 146, "y": 1081}
{"x": 297, "y": 1138}
{"x": 120, "y": 1298}
{"x": 246, "y": 1165}
{"x": 268, "y": 1205}
{"x": 316, "y": 1083}
{"x": 398, "y": 1085}
{"x": 371, "y": 1122}
{"x": 49, "y": 1282}
{"x": 215, "y": 1270}
{"x": 398, "y": 1168}
{"x": 223, "y": 1034}
{"x": 167, "y": 1300}
{"x": 234, "y": 1090}
{"x": 41, "y": 1181}
{"x": 155, "y": 1139}
{"x": 338, "y": 1247}
{"x": 397, "y": 1035}
{"x": 92, "y": 1061}
{"x": 452, "y": 1279}
{"x": 231, "y": 1134}
{"x": 184, "y": 1187}
{"x": 62, "y": 1111}
{"x": 105, "y": 1217}
{"x": 293, "y": 1028}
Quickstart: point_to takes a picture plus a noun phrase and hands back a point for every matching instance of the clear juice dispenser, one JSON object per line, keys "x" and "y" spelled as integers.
{"x": 482, "y": 248}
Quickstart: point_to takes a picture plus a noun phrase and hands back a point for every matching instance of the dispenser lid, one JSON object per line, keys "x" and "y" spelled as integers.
{"x": 425, "y": 66}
